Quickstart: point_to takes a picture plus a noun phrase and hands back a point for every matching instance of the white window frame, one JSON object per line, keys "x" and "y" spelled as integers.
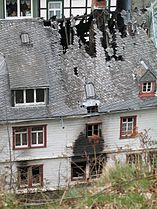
{"x": 37, "y": 134}
{"x": 21, "y": 133}
{"x": 29, "y": 132}
{"x": 93, "y": 129}
{"x": 147, "y": 83}
{"x": 30, "y": 103}
{"x": 18, "y": 11}
{"x": 128, "y": 132}
{"x": 54, "y": 9}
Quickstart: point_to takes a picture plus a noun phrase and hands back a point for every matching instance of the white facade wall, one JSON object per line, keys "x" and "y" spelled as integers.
{"x": 146, "y": 119}
{"x": 62, "y": 134}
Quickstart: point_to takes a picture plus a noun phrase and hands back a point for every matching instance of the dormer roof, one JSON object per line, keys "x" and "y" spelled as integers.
{"x": 148, "y": 76}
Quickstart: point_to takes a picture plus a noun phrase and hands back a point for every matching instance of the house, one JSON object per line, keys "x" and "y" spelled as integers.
{"x": 49, "y": 8}
{"x": 65, "y": 114}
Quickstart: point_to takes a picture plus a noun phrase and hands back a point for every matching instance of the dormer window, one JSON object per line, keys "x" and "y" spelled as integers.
{"x": 91, "y": 102}
{"x": 25, "y": 38}
{"x": 90, "y": 91}
{"x": 147, "y": 87}
{"x": 30, "y": 97}
{"x": 18, "y": 8}
{"x": 147, "y": 84}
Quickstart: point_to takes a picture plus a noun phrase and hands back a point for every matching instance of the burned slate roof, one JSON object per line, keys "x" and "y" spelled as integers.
{"x": 42, "y": 63}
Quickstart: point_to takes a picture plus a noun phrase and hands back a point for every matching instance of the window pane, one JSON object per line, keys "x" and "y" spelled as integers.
{"x": 29, "y": 95}
{"x": 37, "y": 128}
{"x": 124, "y": 119}
{"x": 39, "y": 95}
{"x": 34, "y": 141}
{"x": 113, "y": 2}
{"x": 149, "y": 87}
{"x": 24, "y": 139}
{"x": 78, "y": 169}
{"x": 36, "y": 175}
{"x": 21, "y": 130}
{"x": 53, "y": 5}
{"x": 130, "y": 126}
{"x": 11, "y": 8}
{"x": 95, "y": 129}
{"x": 124, "y": 126}
{"x": 58, "y": 14}
{"x": 23, "y": 175}
{"x": 51, "y": 13}
{"x": 40, "y": 138}
{"x": 19, "y": 96}
{"x": 18, "y": 141}
{"x": 89, "y": 130}
{"x": 130, "y": 119}
{"x": 144, "y": 86}
{"x": 25, "y": 7}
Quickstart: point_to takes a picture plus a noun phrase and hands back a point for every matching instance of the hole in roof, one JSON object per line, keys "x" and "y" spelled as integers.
{"x": 75, "y": 71}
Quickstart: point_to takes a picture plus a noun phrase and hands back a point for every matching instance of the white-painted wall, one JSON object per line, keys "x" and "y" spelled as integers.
{"x": 61, "y": 135}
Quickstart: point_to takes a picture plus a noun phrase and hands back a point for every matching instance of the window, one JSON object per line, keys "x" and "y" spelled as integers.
{"x": 21, "y": 137}
{"x": 30, "y": 176}
{"x": 90, "y": 91}
{"x": 128, "y": 127}
{"x": 78, "y": 170}
{"x": 92, "y": 109}
{"x": 25, "y": 38}
{"x": 82, "y": 169}
{"x": 152, "y": 158}
{"x": 94, "y": 129}
{"x": 30, "y": 96}
{"x": 147, "y": 82}
{"x": 147, "y": 87}
{"x": 134, "y": 158}
{"x": 55, "y": 9}
{"x": 29, "y": 137}
{"x": 18, "y": 8}
{"x": 96, "y": 167}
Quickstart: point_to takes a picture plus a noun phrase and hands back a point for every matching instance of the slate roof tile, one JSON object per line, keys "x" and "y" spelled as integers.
{"x": 44, "y": 64}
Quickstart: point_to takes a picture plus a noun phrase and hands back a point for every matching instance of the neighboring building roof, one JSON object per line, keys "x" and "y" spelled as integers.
{"x": 43, "y": 64}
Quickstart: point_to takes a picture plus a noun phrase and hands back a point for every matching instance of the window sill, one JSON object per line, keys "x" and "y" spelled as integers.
{"x": 30, "y": 104}
{"x": 23, "y": 17}
{"x": 128, "y": 137}
{"x": 32, "y": 147}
